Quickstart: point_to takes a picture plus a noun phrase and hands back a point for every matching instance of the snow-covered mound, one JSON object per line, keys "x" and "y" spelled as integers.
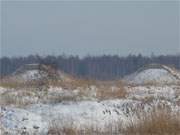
{"x": 30, "y": 72}
{"x": 158, "y": 74}
{"x": 27, "y": 72}
{"x": 30, "y": 75}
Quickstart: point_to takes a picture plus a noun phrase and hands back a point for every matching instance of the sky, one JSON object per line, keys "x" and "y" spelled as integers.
{"x": 89, "y": 28}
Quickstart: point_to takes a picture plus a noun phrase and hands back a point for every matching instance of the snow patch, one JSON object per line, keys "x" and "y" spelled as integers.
{"x": 19, "y": 120}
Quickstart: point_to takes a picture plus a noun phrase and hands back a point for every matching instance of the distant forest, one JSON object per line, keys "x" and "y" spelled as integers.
{"x": 96, "y": 67}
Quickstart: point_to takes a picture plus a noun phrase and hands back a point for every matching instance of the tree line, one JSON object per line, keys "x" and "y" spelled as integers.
{"x": 97, "y": 67}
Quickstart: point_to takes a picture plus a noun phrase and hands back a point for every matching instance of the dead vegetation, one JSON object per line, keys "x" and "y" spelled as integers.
{"x": 18, "y": 98}
{"x": 55, "y": 128}
{"x": 21, "y": 93}
{"x": 158, "y": 122}
{"x": 111, "y": 92}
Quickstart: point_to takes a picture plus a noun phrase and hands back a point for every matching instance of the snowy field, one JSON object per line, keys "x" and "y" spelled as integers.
{"x": 33, "y": 112}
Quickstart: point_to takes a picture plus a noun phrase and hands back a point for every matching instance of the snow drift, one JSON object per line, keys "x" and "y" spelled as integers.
{"x": 154, "y": 73}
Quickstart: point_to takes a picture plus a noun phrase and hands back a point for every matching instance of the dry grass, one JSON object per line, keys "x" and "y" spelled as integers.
{"x": 103, "y": 89}
{"x": 9, "y": 82}
{"x": 18, "y": 98}
{"x": 74, "y": 83}
{"x": 57, "y": 98}
{"x": 21, "y": 97}
{"x": 12, "y": 82}
{"x": 75, "y": 131}
{"x": 158, "y": 122}
{"x": 111, "y": 92}
{"x": 55, "y": 128}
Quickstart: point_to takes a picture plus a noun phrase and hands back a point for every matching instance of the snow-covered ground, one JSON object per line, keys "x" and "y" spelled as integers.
{"x": 30, "y": 75}
{"x": 67, "y": 107}
{"x": 37, "y": 117}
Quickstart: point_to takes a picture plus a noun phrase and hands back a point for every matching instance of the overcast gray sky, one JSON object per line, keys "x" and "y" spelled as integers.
{"x": 95, "y": 28}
